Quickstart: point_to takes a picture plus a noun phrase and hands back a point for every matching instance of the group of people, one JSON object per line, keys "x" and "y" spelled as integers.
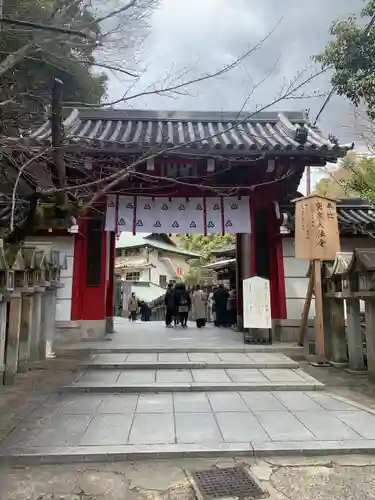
{"x": 134, "y": 305}
{"x": 179, "y": 301}
{"x": 221, "y": 302}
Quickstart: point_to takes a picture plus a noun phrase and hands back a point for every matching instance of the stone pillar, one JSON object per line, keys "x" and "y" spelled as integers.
{"x": 36, "y": 327}
{"x": 3, "y": 324}
{"x": 370, "y": 337}
{"x": 13, "y": 339}
{"x": 339, "y": 354}
{"x": 25, "y": 332}
{"x": 354, "y": 336}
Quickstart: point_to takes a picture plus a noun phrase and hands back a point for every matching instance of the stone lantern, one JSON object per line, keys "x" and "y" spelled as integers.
{"x": 16, "y": 264}
{"x": 30, "y": 265}
{"x": 362, "y": 275}
{"x": 6, "y": 274}
{"x": 42, "y": 268}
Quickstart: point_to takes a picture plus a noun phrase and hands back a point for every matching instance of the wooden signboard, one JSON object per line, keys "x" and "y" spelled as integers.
{"x": 316, "y": 228}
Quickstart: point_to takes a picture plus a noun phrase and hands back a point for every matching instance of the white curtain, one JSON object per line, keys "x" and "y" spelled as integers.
{"x": 178, "y": 215}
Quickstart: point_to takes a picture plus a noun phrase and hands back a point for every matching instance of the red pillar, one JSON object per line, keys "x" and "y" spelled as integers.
{"x": 239, "y": 274}
{"x": 79, "y": 266}
{"x": 276, "y": 265}
{"x": 111, "y": 281}
{"x": 89, "y": 288}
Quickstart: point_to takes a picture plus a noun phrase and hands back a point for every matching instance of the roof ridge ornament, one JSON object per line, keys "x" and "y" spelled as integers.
{"x": 301, "y": 134}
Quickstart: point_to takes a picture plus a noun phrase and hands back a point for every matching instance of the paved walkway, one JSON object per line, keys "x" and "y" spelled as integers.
{"x": 154, "y": 402}
{"x": 154, "y": 336}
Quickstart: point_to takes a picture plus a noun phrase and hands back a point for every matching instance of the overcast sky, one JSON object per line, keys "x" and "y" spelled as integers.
{"x": 206, "y": 34}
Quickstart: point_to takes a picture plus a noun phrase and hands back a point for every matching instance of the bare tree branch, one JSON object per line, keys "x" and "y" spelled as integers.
{"x": 45, "y": 27}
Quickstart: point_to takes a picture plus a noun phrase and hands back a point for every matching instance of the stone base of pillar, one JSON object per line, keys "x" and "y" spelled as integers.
{"x": 258, "y": 336}
{"x": 93, "y": 329}
{"x": 109, "y": 325}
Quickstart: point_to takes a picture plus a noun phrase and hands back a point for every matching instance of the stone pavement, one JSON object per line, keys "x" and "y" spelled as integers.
{"x": 324, "y": 478}
{"x": 162, "y": 403}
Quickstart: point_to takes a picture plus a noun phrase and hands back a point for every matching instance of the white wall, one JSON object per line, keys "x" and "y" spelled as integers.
{"x": 162, "y": 267}
{"x": 295, "y": 271}
{"x": 64, "y": 295}
{"x": 296, "y": 282}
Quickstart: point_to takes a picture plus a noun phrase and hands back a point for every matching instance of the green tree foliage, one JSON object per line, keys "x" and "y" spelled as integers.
{"x": 41, "y": 56}
{"x": 204, "y": 245}
{"x": 354, "y": 178}
{"x": 351, "y": 53}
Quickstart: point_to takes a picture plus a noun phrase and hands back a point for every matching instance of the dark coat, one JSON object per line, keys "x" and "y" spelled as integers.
{"x": 169, "y": 298}
{"x": 181, "y": 296}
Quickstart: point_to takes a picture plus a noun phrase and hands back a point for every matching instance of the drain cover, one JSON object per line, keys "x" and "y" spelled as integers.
{"x": 224, "y": 483}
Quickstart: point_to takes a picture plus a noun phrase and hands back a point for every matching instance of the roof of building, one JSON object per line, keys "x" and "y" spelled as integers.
{"x": 147, "y": 291}
{"x": 128, "y": 240}
{"x": 354, "y": 216}
{"x": 224, "y": 251}
{"x": 139, "y": 130}
{"x": 219, "y": 264}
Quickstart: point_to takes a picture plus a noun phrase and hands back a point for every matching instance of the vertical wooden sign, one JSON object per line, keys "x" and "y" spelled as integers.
{"x": 317, "y": 238}
{"x": 316, "y": 228}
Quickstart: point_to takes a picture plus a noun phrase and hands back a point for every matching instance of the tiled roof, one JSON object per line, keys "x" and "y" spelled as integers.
{"x": 140, "y": 130}
{"x": 147, "y": 291}
{"x": 353, "y": 214}
{"x": 128, "y": 240}
{"x": 220, "y": 264}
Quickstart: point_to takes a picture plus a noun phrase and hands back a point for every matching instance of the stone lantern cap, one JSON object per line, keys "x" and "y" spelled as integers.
{"x": 3, "y": 262}
{"x": 55, "y": 259}
{"x": 63, "y": 260}
{"x": 15, "y": 259}
{"x": 363, "y": 260}
{"x": 40, "y": 259}
{"x": 29, "y": 257}
{"x": 339, "y": 266}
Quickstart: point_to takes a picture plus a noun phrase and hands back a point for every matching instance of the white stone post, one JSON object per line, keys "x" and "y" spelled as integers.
{"x": 25, "y": 332}
{"x": 13, "y": 338}
{"x": 36, "y": 326}
{"x": 3, "y": 323}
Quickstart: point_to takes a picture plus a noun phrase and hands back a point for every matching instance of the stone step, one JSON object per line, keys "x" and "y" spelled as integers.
{"x": 97, "y": 365}
{"x": 206, "y": 376}
{"x": 121, "y": 453}
{"x": 105, "y": 348}
{"x": 189, "y": 360}
{"x": 192, "y": 387}
{"x": 92, "y": 427}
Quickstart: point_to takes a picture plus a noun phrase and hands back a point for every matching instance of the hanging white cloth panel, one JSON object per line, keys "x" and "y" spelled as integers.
{"x": 237, "y": 215}
{"x": 178, "y": 215}
{"x": 125, "y": 214}
{"x": 213, "y": 216}
{"x": 110, "y": 214}
{"x": 195, "y": 216}
{"x": 145, "y": 217}
{"x": 162, "y": 216}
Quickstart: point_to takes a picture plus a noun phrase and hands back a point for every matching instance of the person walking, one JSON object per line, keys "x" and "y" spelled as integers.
{"x": 182, "y": 303}
{"x": 133, "y": 307}
{"x": 199, "y": 306}
{"x": 169, "y": 306}
{"x": 221, "y": 299}
{"x": 232, "y": 307}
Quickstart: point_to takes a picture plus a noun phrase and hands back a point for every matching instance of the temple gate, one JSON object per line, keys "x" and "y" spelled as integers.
{"x": 184, "y": 172}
